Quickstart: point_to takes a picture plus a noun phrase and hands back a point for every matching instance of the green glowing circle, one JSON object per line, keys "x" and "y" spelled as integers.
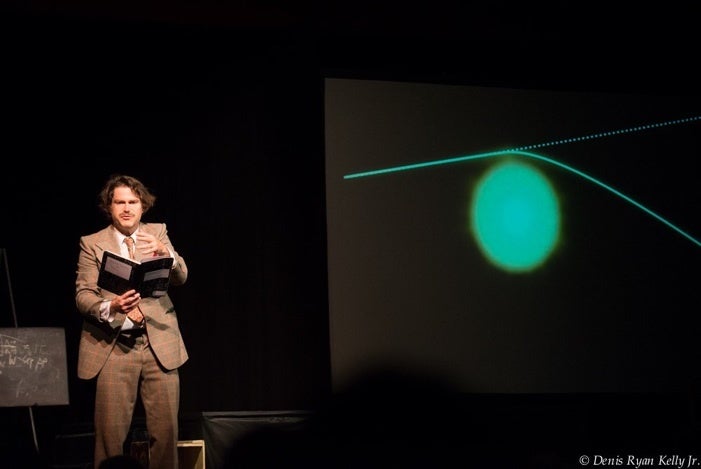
{"x": 515, "y": 216}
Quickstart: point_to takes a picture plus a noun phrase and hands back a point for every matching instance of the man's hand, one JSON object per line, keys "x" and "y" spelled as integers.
{"x": 149, "y": 245}
{"x": 127, "y": 303}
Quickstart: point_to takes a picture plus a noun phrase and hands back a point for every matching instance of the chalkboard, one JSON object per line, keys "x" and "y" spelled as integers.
{"x": 33, "y": 367}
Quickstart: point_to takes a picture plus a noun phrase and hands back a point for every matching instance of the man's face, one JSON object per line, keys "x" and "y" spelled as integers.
{"x": 126, "y": 210}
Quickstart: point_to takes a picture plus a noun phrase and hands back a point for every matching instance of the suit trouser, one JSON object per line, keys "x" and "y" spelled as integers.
{"x": 132, "y": 369}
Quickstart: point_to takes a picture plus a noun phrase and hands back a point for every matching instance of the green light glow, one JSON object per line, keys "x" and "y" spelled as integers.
{"x": 515, "y": 216}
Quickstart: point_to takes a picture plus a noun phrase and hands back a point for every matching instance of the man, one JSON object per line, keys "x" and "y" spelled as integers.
{"x": 131, "y": 344}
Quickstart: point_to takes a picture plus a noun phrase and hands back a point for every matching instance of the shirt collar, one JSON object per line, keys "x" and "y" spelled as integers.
{"x": 120, "y": 236}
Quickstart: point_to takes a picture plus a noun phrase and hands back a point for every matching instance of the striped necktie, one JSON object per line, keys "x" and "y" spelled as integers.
{"x": 130, "y": 246}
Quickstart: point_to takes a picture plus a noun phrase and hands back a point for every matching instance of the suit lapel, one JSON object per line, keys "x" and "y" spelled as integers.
{"x": 107, "y": 241}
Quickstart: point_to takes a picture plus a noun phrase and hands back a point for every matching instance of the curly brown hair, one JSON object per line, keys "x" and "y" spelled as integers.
{"x": 122, "y": 180}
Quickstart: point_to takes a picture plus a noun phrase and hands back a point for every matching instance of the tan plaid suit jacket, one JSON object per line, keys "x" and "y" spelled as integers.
{"x": 98, "y": 337}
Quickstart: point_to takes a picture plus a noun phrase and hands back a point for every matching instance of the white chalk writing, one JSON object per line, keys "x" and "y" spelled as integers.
{"x": 20, "y": 354}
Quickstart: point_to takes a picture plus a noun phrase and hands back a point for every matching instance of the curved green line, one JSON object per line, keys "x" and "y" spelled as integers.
{"x": 608, "y": 188}
{"x": 610, "y": 133}
{"x": 520, "y": 151}
{"x": 538, "y": 157}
